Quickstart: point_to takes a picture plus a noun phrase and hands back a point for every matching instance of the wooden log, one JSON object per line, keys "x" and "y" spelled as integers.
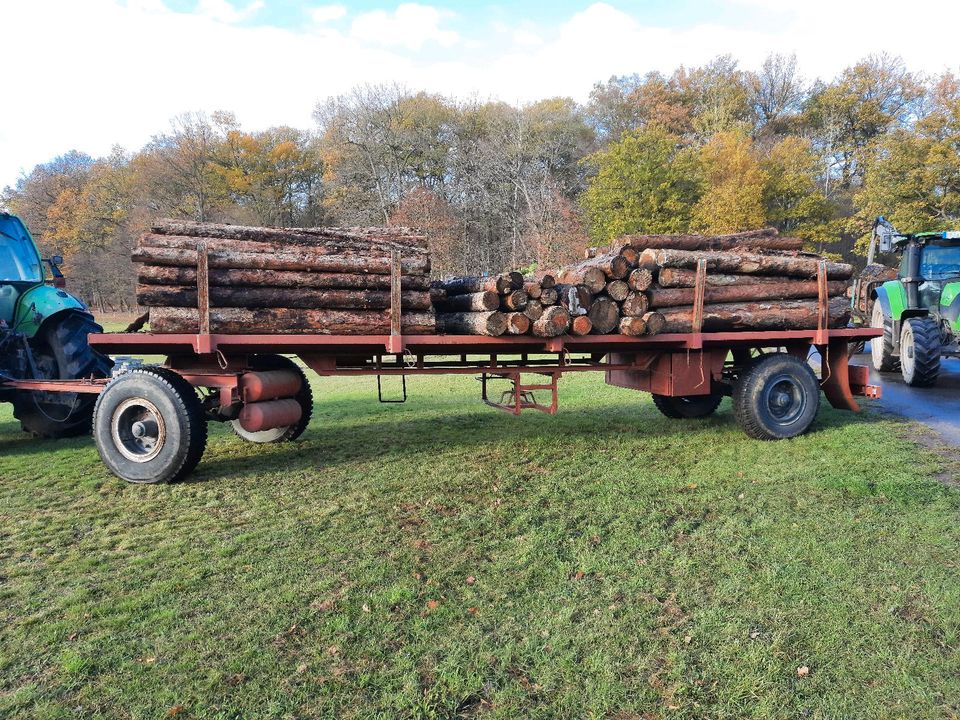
{"x": 292, "y": 259}
{"x": 580, "y": 325}
{"x": 517, "y": 323}
{"x": 766, "y": 239}
{"x": 635, "y": 305}
{"x": 532, "y": 289}
{"x": 763, "y": 315}
{"x": 500, "y": 284}
{"x": 747, "y": 263}
{"x": 554, "y": 321}
{"x": 327, "y": 246}
{"x": 786, "y": 290}
{"x": 655, "y": 322}
{"x": 471, "y": 302}
{"x": 515, "y": 300}
{"x": 575, "y": 298}
{"x": 533, "y": 310}
{"x": 633, "y": 326}
{"x": 604, "y": 314}
{"x": 617, "y": 290}
{"x": 676, "y": 277}
{"x": 592, "y": 278}
{"x": 472, "y": 323}
{"x": 549, "y": 296}
{"x": 403, "y": 237}
{"x": 544, "y": 278}
{"x": 640, "y": 279}
{"x": 235, "y": 277}
{"x": 271, "y": 321}
{"x": 614, "y": 265}
{"x": 237, "y": 297}
{"x": 438, "y": 295}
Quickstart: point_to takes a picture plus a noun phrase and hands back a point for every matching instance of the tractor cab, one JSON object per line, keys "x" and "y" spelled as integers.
{"x": 20, "y": 265}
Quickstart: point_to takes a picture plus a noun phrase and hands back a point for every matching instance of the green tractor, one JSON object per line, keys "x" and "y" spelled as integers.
{"x": 43, "y": 335}
{"x": 919, "y": 310}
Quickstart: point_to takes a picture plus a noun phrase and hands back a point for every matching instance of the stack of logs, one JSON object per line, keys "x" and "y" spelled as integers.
{"x": 334, "y": 281}
{"x": 645, "y": 284}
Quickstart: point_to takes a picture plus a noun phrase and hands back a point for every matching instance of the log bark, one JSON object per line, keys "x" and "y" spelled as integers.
{"x": 500, "y": 284}
{"x": 533, "y": 289}
{"x": 533, "y": 310}
{"x": 766, "y": 239}
{"x": 513, "y": 301}
{"x": 617, "y": 290}
{"x": 290, "y": 259}
{"x": 171, "y": 275}
{"x": 272, "y": 321}
{"x": 765, "y": 315}
{"x": 675, "y": 277}
{"x": 655, "y": 322}
{"x": 554, "y": 321}
{"x": 593, "y": 278}
{"x": 635, "y": 305}
{"x": 549, "y": 296}
{"x": 327, "y": 246}
{"x": 471, "y": 302}
{"x": 748, "y": 263}
{"x": 472, "y": 323}
{"x": 633, "y": 326}
{"x": 614, "y": 265}
{"x": 575, "y": 298}
{"x": 786, "y": 290}
{"x": 225, "y": 297}
{"x": 604, "y": 314}
{"x": 640, "y": 279}
{"x": 580, "y": 325}
{"x": 437, "y": 295}
{"x": 546, "y": 279}
{"x": 517, "y": 323}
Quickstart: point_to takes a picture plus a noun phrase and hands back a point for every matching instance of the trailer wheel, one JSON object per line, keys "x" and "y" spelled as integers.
{"x": 304, "y": 397}
{"x": 149, "y": 426}
{"x": 688, "y": 406}
{"x": 777, "y": 397}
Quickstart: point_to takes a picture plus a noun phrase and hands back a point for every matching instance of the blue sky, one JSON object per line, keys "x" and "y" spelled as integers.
{"x": 111, "y": 72}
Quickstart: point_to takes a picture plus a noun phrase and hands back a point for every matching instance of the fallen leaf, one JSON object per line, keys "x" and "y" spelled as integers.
{"x": 301, "y": 668}
{"x": 148, "y": 660}
{"x": 578, "y": 575}
{"x": 687, "y": 639}
{"x": 432, "y": 604}
{"x": 754, "y": 634}
{"x": 323, "y": 605}
{"x": 72, "y": 636}
{"x": 365, "y": 608}
{"x": 471, "y": 580}
{"x": 473, "y": 610}
{"x": 175, "y": 710}
{"x": 803, "y": 671}
{"x": 740, "y": 496}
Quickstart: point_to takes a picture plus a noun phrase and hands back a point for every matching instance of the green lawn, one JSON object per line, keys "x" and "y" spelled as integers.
{"x": 441, "y": 559}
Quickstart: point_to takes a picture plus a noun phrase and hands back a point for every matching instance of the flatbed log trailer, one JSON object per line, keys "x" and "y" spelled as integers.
{"x": 150, "y": 422}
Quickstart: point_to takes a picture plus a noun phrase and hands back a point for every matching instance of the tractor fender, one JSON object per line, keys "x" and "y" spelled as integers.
{"x": 892, "y": 296}
{"x": 39, "y": 304}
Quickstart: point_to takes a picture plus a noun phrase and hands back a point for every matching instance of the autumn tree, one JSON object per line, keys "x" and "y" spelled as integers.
{"x": 792, "y": 199}
{"x": 733, "y": 185}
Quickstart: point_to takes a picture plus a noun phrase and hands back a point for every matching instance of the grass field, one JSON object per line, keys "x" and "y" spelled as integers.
{"x": 440, "y": 559}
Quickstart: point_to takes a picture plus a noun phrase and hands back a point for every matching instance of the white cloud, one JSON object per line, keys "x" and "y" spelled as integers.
{"x": 410, "y": 26}
{"x": 115, "y": 71}
{"x": 328, "y": 13}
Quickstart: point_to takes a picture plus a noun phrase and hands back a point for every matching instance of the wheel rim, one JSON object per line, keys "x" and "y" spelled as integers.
{"x": 907, "y": 359}
{"x": 784, "y": 399}
{"x": 876, "y": 344}
{"x": 138, "y": 430}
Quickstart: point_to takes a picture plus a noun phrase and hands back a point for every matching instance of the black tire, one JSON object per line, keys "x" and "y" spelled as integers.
{"x": 920, "y": 351}
{"x": 881, "y": 348}
{"x": 776, "y": 397}
{"x": 304, "y": 397}
{"x": 173, "y": 427}
{"x": 62, "y": 352}
{"x": 687, "y": 407}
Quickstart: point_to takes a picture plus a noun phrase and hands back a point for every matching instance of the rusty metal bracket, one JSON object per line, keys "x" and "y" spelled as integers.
{"x": 823, "y": 305}
{"x": 521, "y": 397}
{"x": 699, "y": 291}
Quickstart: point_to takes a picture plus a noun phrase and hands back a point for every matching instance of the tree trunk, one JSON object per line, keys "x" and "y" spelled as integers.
{"x": 640, "y": 279}
{"x": 766, "y": 239}
{"x": 171, "y": 275}
{"x": 635, "y": 305}
{"x": 227, "y": 297}
{"x": 592, "y": 278}
{"x": 655, "y": 322}
{"x": 554, "y": 321}
{"x": 549, "y": 296}
{"x": 604, "y": 314}
{"x": 614, "y": 265}
{"x": 633, "y": 326}
{"x": 580, "y": 325}
{"x": 786, "y": 290}
{"x": 533, "y": 289}
{"x": 517, "y": 323}
{"x": 472, "y": 323}
{"x": 575, "y": 298}
{"x": 749, "y": 263}
{"x": 767, "y": 315}
{"x": 273, "y": 321}
{"x": 500, "y": 284}
{"x": 617, "y": 290}
{"x": 515, "y": 300}
{"x": 471, "y": 302}
{"x": 533, "y": 310}
{"x": 675, "y": 277}
{"x": 328, "y": 246}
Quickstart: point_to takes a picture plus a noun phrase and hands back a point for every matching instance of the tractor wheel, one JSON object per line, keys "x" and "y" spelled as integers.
{"x": 304, "y": 397}
{"x": 881, "y": 348}
{"x": 149, "y": 426}
{"x": 920, "y": 351}
{"x": 61, "y": 352}
{"x": 777, "y": 397}
{"x": 687, "y": 407}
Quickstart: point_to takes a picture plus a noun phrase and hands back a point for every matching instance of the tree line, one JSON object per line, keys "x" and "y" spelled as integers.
{"x": 706, "y": 149}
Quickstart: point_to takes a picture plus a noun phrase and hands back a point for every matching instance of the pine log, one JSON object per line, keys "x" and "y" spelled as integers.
{"x": 471, "y": 302}
{"x": 764, "y": 315}
{"x": 171, "y": 275}
{"x": 472, "y": 323}
{"x": 515, "y": 300}
{"x": 580, "y": 325}
{"x": 290, "y": 259}
{"x": 549, "y": 296}
{"x": 593, "y": 278}
{"x": 655, "y": 322}
{"x": 749, "y": 263}
{"x": 501, "y": 284}
{"x": 327, "y": 246}
{"x": 544, "y": 278}
{"x": 517, "y": 323}
{"x": 437, "y": 295}
{"x": 614, "y": 265}
{"x": 786, "y": 290}
{"x": 766, "y": 239}
{"x": 554, "y": 321}
{"x": 617, "y": 290}
{"x": 533, "y": 289}
{"x": 575, "y": 298}
{"x": 271, "y": 321}
{"x": 230, "y": 297}
{"x": 675, "y": 277}
{"x": 635, "y": 305}
{"x": 630, "y": 254}
{"x": 533, "y": 310}
{"x": 633, "y": 326}
{"x": 604, "y": 314}
{"x": 640, "y": 279}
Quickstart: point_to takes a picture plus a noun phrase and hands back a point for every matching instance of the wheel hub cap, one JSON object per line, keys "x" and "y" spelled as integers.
{"x": 138, "y": 430}
{"x": 785, "y": 399}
